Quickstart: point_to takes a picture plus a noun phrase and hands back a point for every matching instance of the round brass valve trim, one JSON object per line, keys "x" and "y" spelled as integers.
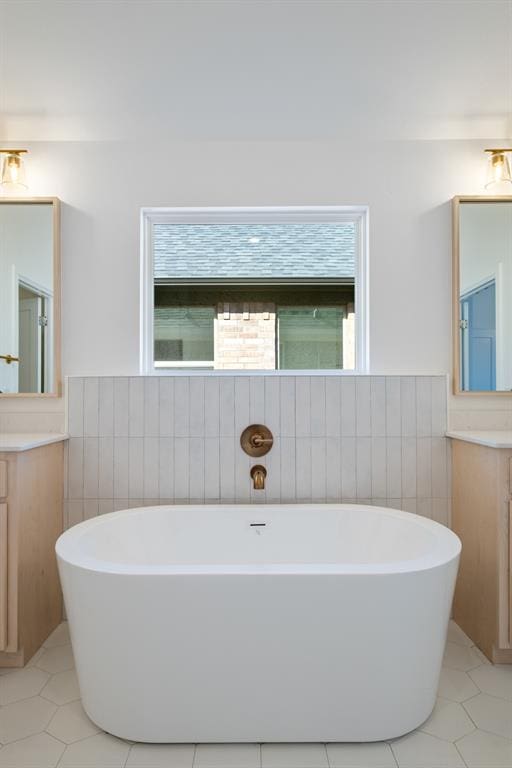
{"x": 256, "y": 440}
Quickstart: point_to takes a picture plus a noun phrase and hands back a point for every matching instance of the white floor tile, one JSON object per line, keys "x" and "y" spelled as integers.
{"x": 293, "y": 756}
{"x": 22, "y": 684}
{"x": 360, "y": 756}
{"x": 224, "y": 755}
{"x": 485, "y": 750}
{"x": 456, "y": 685}
{"x": 40, "y": 751}
{"x": 495, "y": 680}
{"x": 59, "y": 636}
{"x": 58, "y": 659}
{"x": 420, "y": 750}
{"x": 461, "y": 657}
{"x": 24, "y": 718}
{"x": 70, "y": 723}
{"x": 101, "y": 751}
{"x": 491, "y": 714}
{"x": 448, "y": 721}
{"x": 62, "y": 688}
{"x": 161, "y": 756}
{"x": 456, "y": 635}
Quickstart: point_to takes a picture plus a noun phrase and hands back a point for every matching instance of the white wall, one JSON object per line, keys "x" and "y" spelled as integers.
{"x": 26, "y": 252}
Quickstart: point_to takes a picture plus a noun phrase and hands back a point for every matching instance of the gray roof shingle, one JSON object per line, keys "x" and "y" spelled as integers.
{"x": 254, "y": 250}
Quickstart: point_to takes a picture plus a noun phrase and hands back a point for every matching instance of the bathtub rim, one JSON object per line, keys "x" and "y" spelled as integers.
{"x": 448, "y": 547}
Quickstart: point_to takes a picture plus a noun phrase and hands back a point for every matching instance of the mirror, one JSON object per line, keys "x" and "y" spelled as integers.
{"x": 483, "y": 294}
{"x": 29, "y": 297}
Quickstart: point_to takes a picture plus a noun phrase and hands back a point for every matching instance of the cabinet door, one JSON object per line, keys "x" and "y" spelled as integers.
{"x": 3, "y": 576}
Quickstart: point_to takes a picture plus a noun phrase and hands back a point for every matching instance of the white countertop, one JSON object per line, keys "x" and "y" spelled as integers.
{"x": 24, "y": 441}
{"x": 493, "y": 438}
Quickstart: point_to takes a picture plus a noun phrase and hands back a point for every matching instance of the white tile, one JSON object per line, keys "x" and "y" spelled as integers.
{"x": 485, "y": 750}
{"x": 456, "y": 635}
{"x": 379, "y": 467}
{"x": 91, "y": 466}
{"x": 106, "y": 467}
{"x": 76, "y": 468}
{"x": 424, "y": 508}
{"x": 439, "y": 387}
{"x": 121, "y": 467}
{"x": 211, "y": 406}
{"x": 151, "y": 406}
{"x": 363, "y": 467}
{"x": 459, "y": 657}
{"x": 212, "y": 468}
{"x": 70, "y": 723}
{"x": 273, "y": 481}
{"x": 181, "y": 468}
{"x": 318, "y": 469}
{"x": 227, "y": 406}
{"x": 106, "y": 407}
{"x": 495, "y": 680}
{"x": 348, "y": 406}
{"x": 303, "y": 406}
{"x": 76, "y": 407}
{"x": 348, "y": 468}
{"x": 420, "y": 750}
{"x": 288, "y": 474}
{"x": 243, "y": 481}
{"x": 439, "y": 468}
{"x": 161, "y": 756}
{"x": 375, "y": 755}
{"x": 294, "y": 756}
{"x": 256, "y": 399}
{"x": 196, "y": 468}
{"x": 58, "y": 659}
{"x": 166, "y": 467}
{"x": 136, "y": 406}
{"x": 317, "y": 384}
{"x": 378, "y": 405}
{"x": 91, "y": 406}
{"x": 408, "y": 405}
{"x": 73, "y": 512}
{"x": 227, "y": 468}
{"x": 448, "y": 721}
{"x": 303, "y": 468}
{"x": 121, "y": 406}
{"x": 166, "y": 406}
{"x": 441, "y": 511}
{"x": 424, "y": 468}
{"x": 394, "y": 467}
{"x": 182, "y": 406}
{"x": 456, "y": 685}
{"x": 333, "y": 406}
{"x": 393, "y": 412}
{"x": 363, "y": 406}
{"x": 24, "y": 718}
{"x": 491, "y": 714}
{"x": 272, "y": 411}
{"x": 100, "y": 751}
{"x": 423, "y": 406}
{"x": 287, "y": 405}
{"x": 409, "y": 467}
{"x": 40, "y": 751}
{"x": 22, "y": 684}
{"x": 151, "y": 468}
{"x": 196, "y": 405}
{"x": 227, "y": 755}
{"x": 333, "y": 469}
{"x": 136, "y": 467}
{"x": 59, "y": 636}
{"x": 62, "y": 688}
{"x": 409, "y": 505}
{"x": 242, "y": 404}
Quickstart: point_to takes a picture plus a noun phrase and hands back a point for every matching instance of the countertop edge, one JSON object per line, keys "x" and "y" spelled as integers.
{"x": 490, "y": 438}
{"x": 18, "y": 442}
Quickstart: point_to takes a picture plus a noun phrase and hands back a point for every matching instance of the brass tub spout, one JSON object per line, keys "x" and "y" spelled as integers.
{"x": 258, "y": 474}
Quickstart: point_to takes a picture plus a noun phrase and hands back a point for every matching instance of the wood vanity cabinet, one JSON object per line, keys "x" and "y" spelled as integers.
{"x": 481, "y": 517}
{"x": 31, "y": 493}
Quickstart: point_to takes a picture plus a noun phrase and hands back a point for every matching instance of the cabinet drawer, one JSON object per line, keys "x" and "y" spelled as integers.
{"x": 3, "y": 479}
{"x": 3, "y": 576}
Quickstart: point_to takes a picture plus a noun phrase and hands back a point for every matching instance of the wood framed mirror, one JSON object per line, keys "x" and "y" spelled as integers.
{"x": 30, "y": 297}
{"x": 482, "y": 295}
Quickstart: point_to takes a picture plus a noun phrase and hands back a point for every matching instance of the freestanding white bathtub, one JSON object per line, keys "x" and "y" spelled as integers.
{"x": 258, "y": 623}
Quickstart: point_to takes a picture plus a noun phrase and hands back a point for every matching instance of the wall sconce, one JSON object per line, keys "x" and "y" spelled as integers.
{"x": 498, "y": 169}
{"x": 13, "y": 169}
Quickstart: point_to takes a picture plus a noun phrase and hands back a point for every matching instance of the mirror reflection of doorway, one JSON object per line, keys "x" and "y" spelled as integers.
{"x": 478, "y": 338}
{"x": 33, "y": 313}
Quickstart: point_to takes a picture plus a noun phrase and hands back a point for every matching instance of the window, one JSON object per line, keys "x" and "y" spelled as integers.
{"x": 254, "y": 289}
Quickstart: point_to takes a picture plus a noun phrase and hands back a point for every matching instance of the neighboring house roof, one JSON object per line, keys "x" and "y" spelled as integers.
{"x": 254, "y": 251}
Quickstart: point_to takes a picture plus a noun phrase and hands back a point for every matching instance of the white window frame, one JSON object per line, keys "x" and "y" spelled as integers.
{"x": 254, "y": 215}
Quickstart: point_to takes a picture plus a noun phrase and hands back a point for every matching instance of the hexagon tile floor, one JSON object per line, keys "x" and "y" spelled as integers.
{"x": 43, "y": 725}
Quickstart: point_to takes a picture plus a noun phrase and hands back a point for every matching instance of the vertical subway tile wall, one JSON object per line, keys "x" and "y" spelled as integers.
{"x": 155, "y": 440}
